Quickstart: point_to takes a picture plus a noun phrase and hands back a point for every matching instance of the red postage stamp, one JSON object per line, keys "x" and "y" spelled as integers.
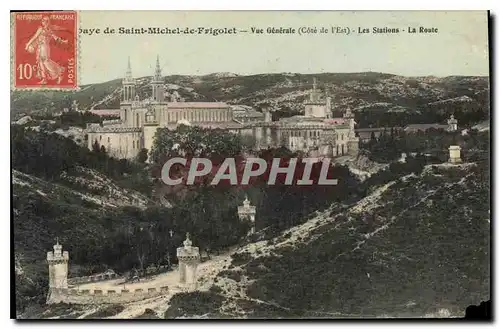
{"x": 45, "y": 50}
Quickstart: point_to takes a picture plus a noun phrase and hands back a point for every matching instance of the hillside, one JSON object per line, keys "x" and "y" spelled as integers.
{"x": 391, "y": 239}
{"x": 417, "y": 246}
{"x": 369, "y": 94}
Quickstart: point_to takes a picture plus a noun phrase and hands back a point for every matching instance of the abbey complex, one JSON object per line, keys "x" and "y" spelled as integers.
{"x": 316, "y": 132}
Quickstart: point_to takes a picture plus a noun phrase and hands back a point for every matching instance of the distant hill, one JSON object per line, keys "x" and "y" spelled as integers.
{"x": 367, "y": 91}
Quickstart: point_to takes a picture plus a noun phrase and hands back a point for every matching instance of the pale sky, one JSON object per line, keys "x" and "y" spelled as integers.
{"x": 459, "y": 48}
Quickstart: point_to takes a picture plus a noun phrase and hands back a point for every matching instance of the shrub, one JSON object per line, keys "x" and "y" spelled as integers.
{"x": 240, "y": 258}
{"x": 106, "y": 312}
{"x": 215, "y": 289}
{"x": 148, "y": 314}
{"x": 194, "y": 303}
{"x": 233, "y": 275}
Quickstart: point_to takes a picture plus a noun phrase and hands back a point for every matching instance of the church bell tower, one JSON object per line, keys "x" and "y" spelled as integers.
{"x": 157, "y": 86}
{"x": 128, "y": 94}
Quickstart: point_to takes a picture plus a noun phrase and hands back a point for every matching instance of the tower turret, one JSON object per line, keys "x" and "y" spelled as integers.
{"x": 247, "y": 212}
{"x": 74, "y": 106}
{"x": 314, "y": 96}
{"x": 452, "y": 123}
{"x": 58, "y": 267}
{"x": 129, "y": 84}
{"x": 157, "y": 86}
{"x": 348, "y": 114}
{"x": 328, "y": 105}
{"x": 316, "y": 106}
{"x": 189, "y": 258}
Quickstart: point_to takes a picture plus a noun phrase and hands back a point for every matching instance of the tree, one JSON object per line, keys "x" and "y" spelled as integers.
{"x": 96, "y": 147}
{"x": 190, "y": 142}
{"x": 142, "y": 156}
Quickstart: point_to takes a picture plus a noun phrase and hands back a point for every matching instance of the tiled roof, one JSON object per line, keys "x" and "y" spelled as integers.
{"x": 204, "y": 105}
{"x": 105, "y": 112}
{"x": 212, "y": 125}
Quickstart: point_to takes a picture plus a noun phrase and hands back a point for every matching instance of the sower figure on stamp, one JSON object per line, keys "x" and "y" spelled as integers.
{"x": 39, "y": 43}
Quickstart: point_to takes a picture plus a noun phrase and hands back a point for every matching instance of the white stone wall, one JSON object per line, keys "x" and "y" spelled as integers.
{"x": 60, "y": 272}
{"x": 122, "y": 145}
{"x": 148, "y": 135}
{"x": 194, "y": 115}
{"x": 315, "y": 110}
{"x": 126, "y": 115}
{"x": 138, "y": 117}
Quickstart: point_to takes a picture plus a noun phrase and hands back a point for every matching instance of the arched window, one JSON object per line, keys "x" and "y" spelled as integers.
{"x": 108, "y": 139}
{"x": 137, "y": 120}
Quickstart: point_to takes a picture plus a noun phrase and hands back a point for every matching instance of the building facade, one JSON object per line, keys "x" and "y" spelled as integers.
{"x": 315, "y": 132}
{"x": 451, "y": 126}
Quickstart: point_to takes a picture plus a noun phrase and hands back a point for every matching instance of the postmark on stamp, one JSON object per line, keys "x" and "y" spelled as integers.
{"x": 45, "y": 50}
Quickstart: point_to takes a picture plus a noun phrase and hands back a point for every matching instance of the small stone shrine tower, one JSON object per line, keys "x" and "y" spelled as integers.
{"x": 247, "y": 212}
{"x": 455, "y": 154}
{"x": 58, "y": 267}
{"x": 403, "y": 158}
{"x": 189, "y": 258}
{"x": 74, "y": 106}
{"x": 452, "y": 123}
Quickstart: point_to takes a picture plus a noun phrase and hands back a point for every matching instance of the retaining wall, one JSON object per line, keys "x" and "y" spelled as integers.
{"x": 97, "y": 296}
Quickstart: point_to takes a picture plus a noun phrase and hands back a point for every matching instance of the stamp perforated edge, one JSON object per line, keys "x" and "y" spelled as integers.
{"x": 41, "y": 88}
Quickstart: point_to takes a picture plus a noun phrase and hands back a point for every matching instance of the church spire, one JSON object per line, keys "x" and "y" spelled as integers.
{"x": 128, "y": 74}
{"x": 158, "y": 89}
{"x": 158, "y": 63}
{"x": 314, "y": 84}
{"x": 128, "y": 92}
{"x": 158, "y": 76}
